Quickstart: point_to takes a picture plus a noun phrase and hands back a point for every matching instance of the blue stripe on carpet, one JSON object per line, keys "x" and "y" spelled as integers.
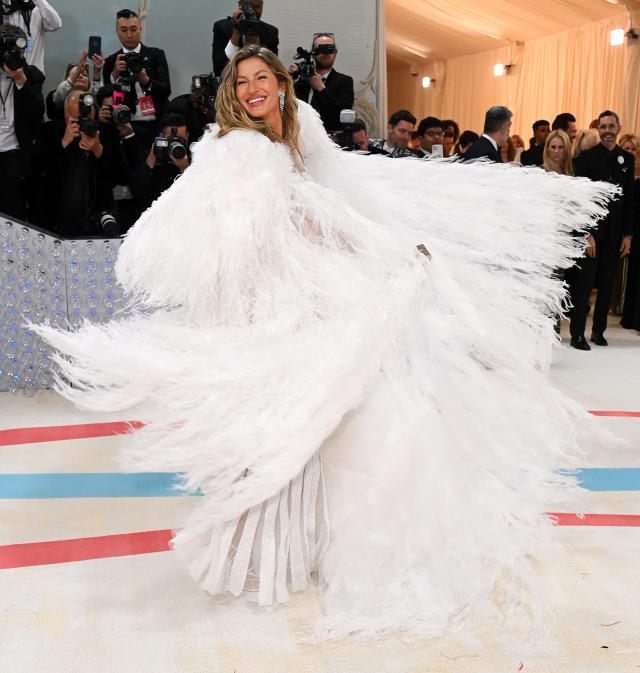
{"x": 90, "y": 485}
{"x": 163, "y": 484}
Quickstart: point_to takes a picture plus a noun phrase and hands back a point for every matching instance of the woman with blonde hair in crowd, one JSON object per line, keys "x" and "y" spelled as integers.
{"x": 557, "y": 153}
{"x": 557, "y": 159}
{"x": 631, "y": 310}
{"x": 585, "y": 139}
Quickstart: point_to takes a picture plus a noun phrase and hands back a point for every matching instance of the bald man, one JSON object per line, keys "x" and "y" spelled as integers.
{"x": 79, "y": 163}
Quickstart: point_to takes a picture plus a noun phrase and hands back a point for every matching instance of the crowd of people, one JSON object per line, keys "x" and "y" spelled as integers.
{"x": 610, "y": 263}
{"x": 89, "y": 157}
{"x": 112, "y": 140}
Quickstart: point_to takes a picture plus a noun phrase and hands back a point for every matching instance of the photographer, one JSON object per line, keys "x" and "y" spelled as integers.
{"x": 167, "y": 159}
{"x": 78, "y": 166}
{"x": 35, "y": 18}
{"x": 115, "y": 127}
{"x": 141, "y": 73}
{"x": 242, "y": 27}
{"x": 317, "y": 83}
{"x": 21, "y": 110}
{"x": 199, "y": 107}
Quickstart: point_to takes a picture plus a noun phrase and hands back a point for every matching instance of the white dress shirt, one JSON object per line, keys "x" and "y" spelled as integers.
{"x": 44, "y": 19}
{"x": 8, "y": 138}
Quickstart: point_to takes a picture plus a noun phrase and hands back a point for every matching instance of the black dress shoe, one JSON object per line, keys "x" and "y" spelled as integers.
{"x": 580, "y": 343}
{"x": 598, "y": 339}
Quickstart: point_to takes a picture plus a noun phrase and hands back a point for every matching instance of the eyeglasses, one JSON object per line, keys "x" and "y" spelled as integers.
{"x": 331, "y": 35}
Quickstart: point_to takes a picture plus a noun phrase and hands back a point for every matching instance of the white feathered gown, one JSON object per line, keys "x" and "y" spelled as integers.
{"x": 297, "y": 329}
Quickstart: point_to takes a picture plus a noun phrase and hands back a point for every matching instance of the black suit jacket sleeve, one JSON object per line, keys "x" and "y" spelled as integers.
{"x": 221, "y": 36}
{"x": 29, "y": 107}
{"x": 160, "y": 83}
{"x": 628, "y": 204}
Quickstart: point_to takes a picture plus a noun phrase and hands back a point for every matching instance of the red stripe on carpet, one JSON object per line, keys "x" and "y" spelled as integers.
{"x": 130, "y": 544}
{"x": 629, "y": 520}
{"x": 84, "y": 549}
{"x": 56, "y": 433}
{"x": 617, "y": 414}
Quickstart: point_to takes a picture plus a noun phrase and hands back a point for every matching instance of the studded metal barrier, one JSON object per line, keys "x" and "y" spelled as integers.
{"x": 44, "y": 278}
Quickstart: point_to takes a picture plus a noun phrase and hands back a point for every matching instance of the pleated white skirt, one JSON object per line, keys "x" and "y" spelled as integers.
{"x": 273, "y": 548}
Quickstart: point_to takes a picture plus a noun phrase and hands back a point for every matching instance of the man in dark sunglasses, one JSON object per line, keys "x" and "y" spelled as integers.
{"x": 327, "y": 90}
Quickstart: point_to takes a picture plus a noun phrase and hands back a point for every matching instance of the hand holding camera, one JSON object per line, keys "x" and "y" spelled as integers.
{"x": 131, "y": 66}
{"x": 119, "y": 67}
{"x": 11, "y": 56}
{"x": 91, "y": 143}
{"x": 172, "y": 148}
{"x": 72, "y": 131}
{"x": 245, "y": 22}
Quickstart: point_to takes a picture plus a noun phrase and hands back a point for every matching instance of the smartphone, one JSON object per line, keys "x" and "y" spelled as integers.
{"x": 95, "y": 45}
{"x": 437, "y": 151}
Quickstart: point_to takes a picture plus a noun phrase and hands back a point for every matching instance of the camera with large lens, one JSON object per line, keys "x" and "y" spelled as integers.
{"x": 248, "y": 22}
{"x": 170, "y": 147}
{"x": 204, "y": 89}
{"x": 135, "y": 62}
{"x": 306, "y": 63}
{"x": 120, "y": 113}
{"x": 106, "y": 224}
{"x": 87, "y": 125}
{"x": 10, "y": 45}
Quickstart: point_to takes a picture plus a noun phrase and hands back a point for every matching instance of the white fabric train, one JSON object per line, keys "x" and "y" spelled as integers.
{"x": 295, "y": 319}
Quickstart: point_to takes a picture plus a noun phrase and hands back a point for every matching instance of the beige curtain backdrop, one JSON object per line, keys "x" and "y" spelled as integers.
{"x": 576, "y": 70}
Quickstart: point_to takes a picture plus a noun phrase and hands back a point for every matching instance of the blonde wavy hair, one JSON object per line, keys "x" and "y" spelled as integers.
{"x": 581, "y": 139}
{"x": 231, "y": 114}
{"x": 630, "y": 138}
{"x": 567, "y": 163}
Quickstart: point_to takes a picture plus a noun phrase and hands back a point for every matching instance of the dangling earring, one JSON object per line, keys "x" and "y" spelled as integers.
{"x": 281, "y": 96}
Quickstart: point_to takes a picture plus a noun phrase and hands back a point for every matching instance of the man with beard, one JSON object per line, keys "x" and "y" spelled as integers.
{"x": 607, "y": 162}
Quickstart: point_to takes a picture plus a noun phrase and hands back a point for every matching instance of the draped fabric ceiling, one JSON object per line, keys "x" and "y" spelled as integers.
{"x": 559, "y": 51}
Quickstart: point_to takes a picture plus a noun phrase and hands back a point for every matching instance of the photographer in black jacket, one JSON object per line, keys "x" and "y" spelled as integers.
{"x": 78, "y": 165}
{"x": 21, "y": 110}
{"x": 327, "y": 90}
{"x": 199, "y": 107}
{"x": 168, "y": 158}
{"x": 141, "y": 73}
{"x": 243, "y": 27}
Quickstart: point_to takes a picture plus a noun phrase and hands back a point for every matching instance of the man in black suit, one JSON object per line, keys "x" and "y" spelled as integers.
{"x": 607, "y": 162}
{"x": 21, "y": 110}
{"x": 497, "y": 126}
{"x": 534, "y": 155}
{"x": 327, "y": 91}
{"x": 234, "y": 32}
{"x": 141, "y": 73}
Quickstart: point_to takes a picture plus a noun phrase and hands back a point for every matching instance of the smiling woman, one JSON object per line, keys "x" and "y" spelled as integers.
{"x": 257, "y": 94}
